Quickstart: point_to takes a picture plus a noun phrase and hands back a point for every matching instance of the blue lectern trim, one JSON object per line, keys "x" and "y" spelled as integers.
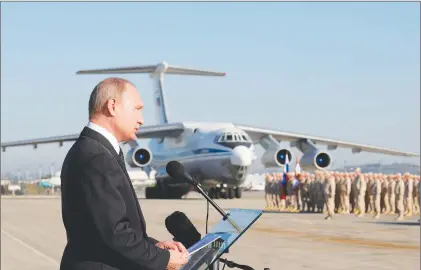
{"x": 205, "y": 241}
{"x": 244, "y": 218}
{"x": 220, "y": 238}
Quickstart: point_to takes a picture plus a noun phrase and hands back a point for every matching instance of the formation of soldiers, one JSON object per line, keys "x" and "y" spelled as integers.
{"x": 344, "y": 193}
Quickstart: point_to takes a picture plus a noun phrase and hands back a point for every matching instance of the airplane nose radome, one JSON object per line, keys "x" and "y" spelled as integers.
{"x": 241, "y": 156}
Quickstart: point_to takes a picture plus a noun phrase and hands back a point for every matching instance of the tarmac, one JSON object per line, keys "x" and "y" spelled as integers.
{"x": 33, "y": 236}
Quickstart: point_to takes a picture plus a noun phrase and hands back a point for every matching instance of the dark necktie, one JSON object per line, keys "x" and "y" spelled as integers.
{"x": 121, "y": 155}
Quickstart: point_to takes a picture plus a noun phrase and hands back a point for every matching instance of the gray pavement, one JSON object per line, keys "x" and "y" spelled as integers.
{"x": 32, "y": 235}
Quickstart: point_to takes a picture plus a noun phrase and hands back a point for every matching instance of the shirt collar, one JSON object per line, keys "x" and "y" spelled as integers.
{"x": 108, "y": 135}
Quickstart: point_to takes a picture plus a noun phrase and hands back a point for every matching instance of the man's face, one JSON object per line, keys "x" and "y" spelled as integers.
{"x": 129, "y": 116}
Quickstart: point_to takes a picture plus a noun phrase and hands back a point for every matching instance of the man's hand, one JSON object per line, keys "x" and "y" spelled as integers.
{"x": 177, "y": 259}
{"x": 171, "y": 245}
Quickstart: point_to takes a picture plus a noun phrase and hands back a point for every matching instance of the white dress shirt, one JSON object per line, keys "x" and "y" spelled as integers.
{"x": 110, "y": 137}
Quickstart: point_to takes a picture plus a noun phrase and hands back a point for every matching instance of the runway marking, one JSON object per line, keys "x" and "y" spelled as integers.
{"x": 327, "y": 238}
{"x": 31, "y": 248}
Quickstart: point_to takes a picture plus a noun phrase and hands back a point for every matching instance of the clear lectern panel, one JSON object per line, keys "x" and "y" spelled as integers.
{"x": 201, "y": 260}
{"x": 226, "y": 235}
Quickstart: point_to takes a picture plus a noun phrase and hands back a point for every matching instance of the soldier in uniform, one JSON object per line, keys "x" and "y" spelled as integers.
{"x": 276, "y": 191}
{"x": 377, "y": 191}
{"x": 353, "y": 194}
{"x": 320, "y": 197}
{"x": 400, "y": 192}
{"x": 312, "y": 193}
{"x": 304, "y": 191}
{"x": 409, "y": 190}
{"x": 347, "y": 192}
{"x": 338, "y": 180}
{"x": 297, "y": 192}
{"x": 361, "y": 188}
{"x": 392, "y": 194}
{"x": 288, "y": 193}
{"x": 416, "y": 195}
{"x": 310, "y": 180}
{"x": 291, "y": 192}
{"x": 340, "y": 189}
{"x": 369, "y": 196}
{"x": 282, "y": 193}
{"x": 268, "y": 193}
{"x": 385, "y": 194}
{"x": 329, "y": 190}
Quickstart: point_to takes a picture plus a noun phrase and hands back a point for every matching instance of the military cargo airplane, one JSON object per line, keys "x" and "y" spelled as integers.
{"x": 218, "y": 155}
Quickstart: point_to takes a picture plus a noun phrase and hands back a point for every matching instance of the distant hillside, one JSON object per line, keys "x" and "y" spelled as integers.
{"x": 371, "y": 167}
{"x": 384, "y": 168}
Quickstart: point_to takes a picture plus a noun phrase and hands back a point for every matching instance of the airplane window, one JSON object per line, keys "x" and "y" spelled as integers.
{"x": 232, "y": 140}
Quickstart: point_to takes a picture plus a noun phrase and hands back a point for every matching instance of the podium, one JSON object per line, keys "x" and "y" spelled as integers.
{"x": 220, "y": 238}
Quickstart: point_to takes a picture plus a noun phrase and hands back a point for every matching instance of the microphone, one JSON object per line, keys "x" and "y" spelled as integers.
{"x": 176, "y": 171}
{"x": 180, "y": 226}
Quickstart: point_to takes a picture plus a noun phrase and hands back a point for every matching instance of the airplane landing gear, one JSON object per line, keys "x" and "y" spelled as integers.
{"x": 152, "y": 193}
{"x": 225, "y": 193}
{"x": 164, "y": 192}
{"x": 238, "y": 193}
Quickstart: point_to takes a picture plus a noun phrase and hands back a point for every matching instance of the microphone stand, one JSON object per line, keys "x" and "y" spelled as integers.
{"x": 225, "y": 216}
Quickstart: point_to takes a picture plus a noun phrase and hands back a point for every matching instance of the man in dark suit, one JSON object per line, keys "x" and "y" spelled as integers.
{"x": 104, "y": 222}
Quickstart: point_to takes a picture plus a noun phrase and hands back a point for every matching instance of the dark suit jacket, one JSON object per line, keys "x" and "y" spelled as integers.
{"x": 104, "y": 223}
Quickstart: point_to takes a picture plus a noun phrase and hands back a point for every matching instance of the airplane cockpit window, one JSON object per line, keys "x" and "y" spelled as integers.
{"x": 233, "y": 139}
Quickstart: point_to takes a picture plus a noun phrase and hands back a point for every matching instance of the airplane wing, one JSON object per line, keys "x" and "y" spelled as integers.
{"x": 256, "y": 134}
{"x": 160, "y": 131}
{"x": 145, "y": 132}
{"x": 35, "y": 142}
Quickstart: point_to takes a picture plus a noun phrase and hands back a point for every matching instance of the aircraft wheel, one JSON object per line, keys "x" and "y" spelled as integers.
{"x": 230, "y": 192}
{"x": 211, "y": 193}
{"x": 238, "y": 192}
{"x": 163, "y": 190}
{"x": 217, "y": 193}
{"x": 224, "y": 193}
{"x": 175, "y": 193}
{"x": 151, "y": 193}
{"x": 148, "y": 192}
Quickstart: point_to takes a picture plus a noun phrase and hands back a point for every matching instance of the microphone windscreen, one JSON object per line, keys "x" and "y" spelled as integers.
{"x": 175, "y": 169}
{"x": 180, "y": 226}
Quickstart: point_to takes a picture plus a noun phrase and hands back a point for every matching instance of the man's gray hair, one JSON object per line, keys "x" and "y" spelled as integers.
{"x": 104, "y": 91}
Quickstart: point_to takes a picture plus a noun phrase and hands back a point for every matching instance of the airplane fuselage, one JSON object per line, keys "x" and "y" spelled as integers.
{"x": 215, "y": 154}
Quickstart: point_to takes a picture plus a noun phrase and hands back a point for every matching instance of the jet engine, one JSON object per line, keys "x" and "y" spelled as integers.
{"x": 315, "y": 160}
{"x": 139, "y": 157}
{"x": 275, "y": 157}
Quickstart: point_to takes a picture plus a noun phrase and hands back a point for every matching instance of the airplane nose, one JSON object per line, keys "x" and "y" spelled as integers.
{"x": 241, "y": 156}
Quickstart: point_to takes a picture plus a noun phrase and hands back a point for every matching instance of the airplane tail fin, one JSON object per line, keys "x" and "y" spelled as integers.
{"x": 157, "y": 72}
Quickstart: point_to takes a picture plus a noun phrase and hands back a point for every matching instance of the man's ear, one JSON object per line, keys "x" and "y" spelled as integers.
{"x": 111, "y": 106}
